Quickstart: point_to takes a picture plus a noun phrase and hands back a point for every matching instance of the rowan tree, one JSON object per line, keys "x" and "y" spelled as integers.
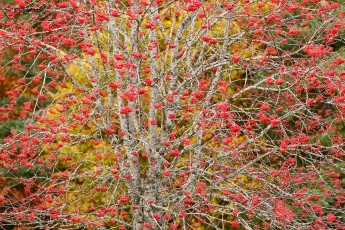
{"x": 176, "y": 114}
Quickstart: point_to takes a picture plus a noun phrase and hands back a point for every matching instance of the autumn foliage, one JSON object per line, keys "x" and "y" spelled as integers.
{"x": 157, "y": 114}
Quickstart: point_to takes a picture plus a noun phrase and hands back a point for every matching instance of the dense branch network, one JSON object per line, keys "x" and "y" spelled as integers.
{"x": 174, "y": 115}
